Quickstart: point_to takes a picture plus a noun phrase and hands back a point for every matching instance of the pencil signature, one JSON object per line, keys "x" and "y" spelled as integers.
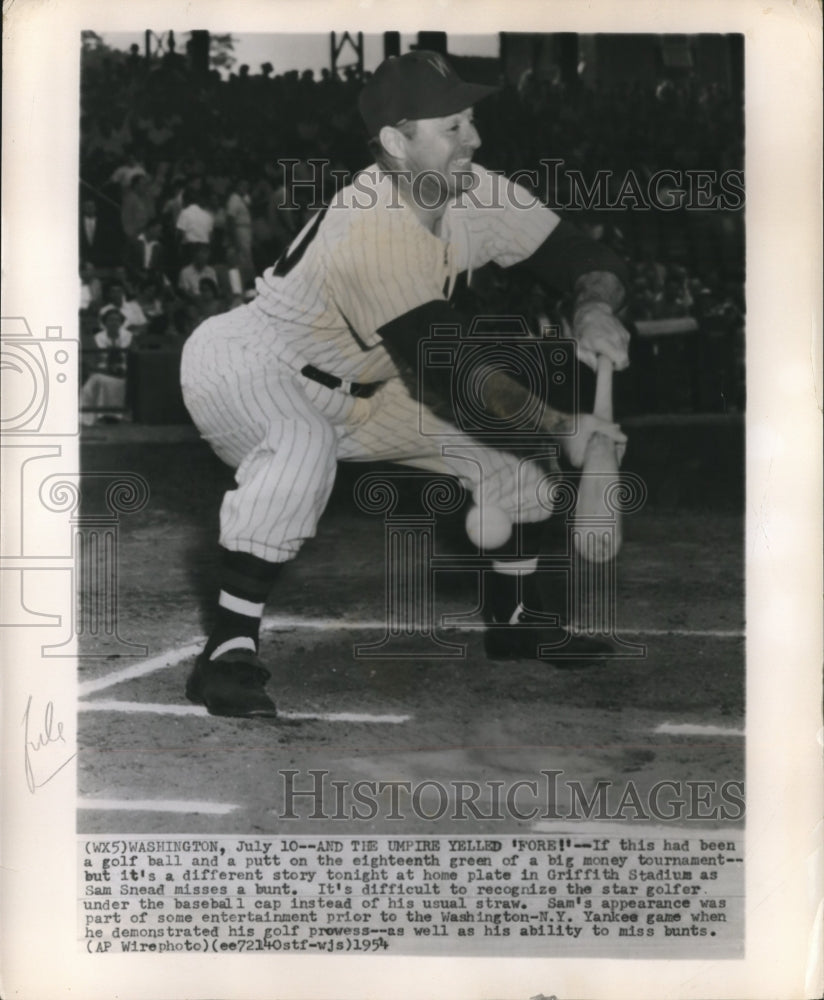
{"x": 50, "y": 731}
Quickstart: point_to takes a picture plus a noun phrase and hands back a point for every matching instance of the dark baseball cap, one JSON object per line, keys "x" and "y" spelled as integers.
{"x": 419, "y": 84}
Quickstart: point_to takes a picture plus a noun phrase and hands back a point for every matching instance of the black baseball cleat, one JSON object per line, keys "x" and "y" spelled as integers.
{"x": 526, "y": 637}
{"x": 233, "y": 684}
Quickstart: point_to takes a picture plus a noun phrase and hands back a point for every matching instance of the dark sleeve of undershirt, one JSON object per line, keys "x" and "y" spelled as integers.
{"x": 567, "y": 254}
{"x": 425, "y": 357}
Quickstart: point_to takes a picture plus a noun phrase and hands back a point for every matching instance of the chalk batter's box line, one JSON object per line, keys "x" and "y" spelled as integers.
{"x": 157, "y": 708}
{"x": 172, "y": 657}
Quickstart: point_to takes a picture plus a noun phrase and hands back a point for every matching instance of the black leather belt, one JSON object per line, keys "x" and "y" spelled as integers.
{"x": 362, "y": 389}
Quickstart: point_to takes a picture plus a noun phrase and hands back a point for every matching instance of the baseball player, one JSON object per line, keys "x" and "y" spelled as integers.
{"x": 310, "y": 372}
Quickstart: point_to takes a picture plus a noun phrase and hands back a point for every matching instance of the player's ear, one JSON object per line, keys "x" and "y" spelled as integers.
{"x": 393, "y": 141}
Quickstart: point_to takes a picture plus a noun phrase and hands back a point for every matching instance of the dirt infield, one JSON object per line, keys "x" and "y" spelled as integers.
{"x": 150, "y": 762}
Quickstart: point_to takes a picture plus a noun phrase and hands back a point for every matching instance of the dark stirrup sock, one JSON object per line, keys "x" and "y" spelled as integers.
{"x": 513, "y": 587}
{"x": 245, "y": 582}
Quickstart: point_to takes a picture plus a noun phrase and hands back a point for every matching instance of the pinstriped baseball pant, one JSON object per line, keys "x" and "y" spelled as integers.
{"x": 284, "y": 435}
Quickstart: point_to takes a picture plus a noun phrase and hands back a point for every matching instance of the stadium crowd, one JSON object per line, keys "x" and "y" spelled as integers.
{"x": 191, "y": 185}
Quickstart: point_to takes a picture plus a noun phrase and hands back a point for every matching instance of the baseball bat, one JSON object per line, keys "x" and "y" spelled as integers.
{"x": 597, "y": 532}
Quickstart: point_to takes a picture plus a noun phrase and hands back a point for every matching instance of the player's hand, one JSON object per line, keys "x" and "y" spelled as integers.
{"x": 597, "y": 331}
{"x": 575, "y": 446}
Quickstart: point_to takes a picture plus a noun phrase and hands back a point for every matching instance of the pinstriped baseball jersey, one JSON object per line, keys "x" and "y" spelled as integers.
{"x": 285, "y": 433}
{"x": 358, "y": 265}
{"x": 367, "y": 260}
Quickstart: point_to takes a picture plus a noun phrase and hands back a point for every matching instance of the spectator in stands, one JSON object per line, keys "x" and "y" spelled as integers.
{"x": 214, "y": 204}
{"x": 127, "y": 171}
{"x": 643, "y": 298}
{"x": 134, "y": 318}
{"x": 159, "y": 131}
{"x": 91, "y": 291}
{"x": 106, "y": 140}
{"x": 146, "y": 253}
{"x": 276, "y": 220}
{"x": 208, "y": 303}
{"x": 138, "y": 207}
{"x": 239, "y": 228}
{"x": 230, "y": 283}
{"x": 157, "y": 300}
{"x": 263, "y": 241}
{"x": 673, "y": 300}
{"x": 97, "y": 240}
{"x": 135, "y": 64}
{"x": 173, "y": 205}
{"x": 190, "y": 276}
{"x": 195, "y": 223}
{"x": 89, "y": 230}
{"x": 105, "y": 388}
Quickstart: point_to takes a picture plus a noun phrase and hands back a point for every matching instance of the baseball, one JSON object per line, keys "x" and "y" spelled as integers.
{"x": 488, "y": 529}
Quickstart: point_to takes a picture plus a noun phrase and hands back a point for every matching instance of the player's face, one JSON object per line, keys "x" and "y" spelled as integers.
{"x": 444, "y": 147}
